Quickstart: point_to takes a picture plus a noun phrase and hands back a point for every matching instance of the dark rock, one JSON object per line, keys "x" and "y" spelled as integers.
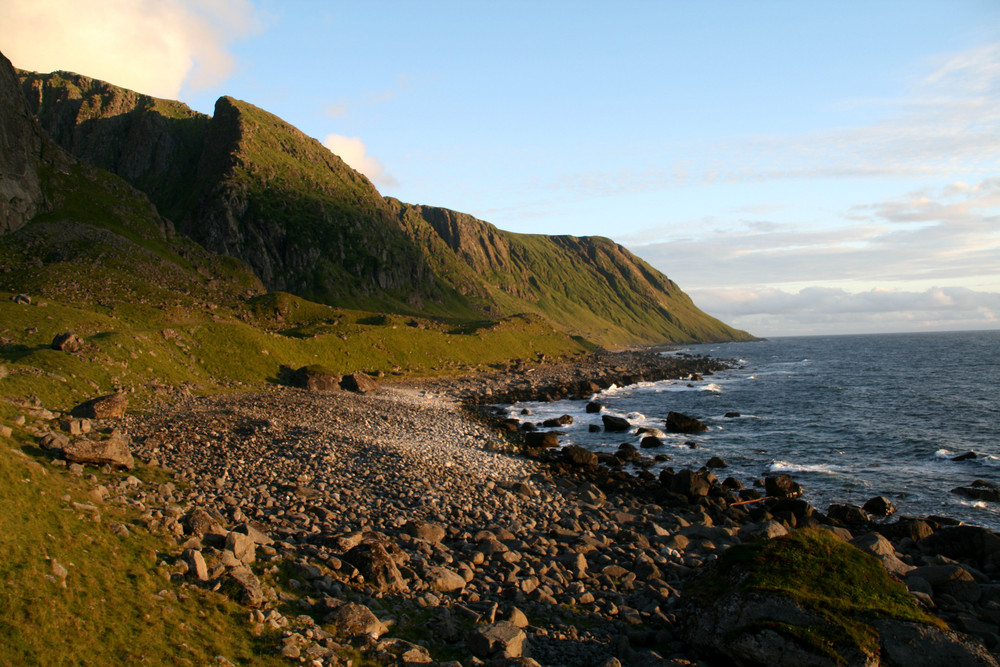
{"x": 356, "y": 620}
{"x": 615, "y": 424}
{"x": 378, "y": 567}
{"x": 627, "y": 452}
{"x": 541, "y": 439}
{"x": 681, "y": 423}
{"x": 500, "y": 640}
{"x": 593, "y": 428}
{"x": 67, "y": 342}
{"x": 981, "y": 491}
{"x": 21, "y": 299}
{"x": 847, "y": 513}
{"x": 424, "y": 530}
{"x": 578, "y": 456}
{"x": 359, "y": 382}
{"x": 651, "y": 442}
{"x": 915, "y": 529}
{"x": 111, "y": 406}
{"x": 716, "y": 462}
{"x": 962, "y": 543}
{"x": 110, "y": 451}
{"x": 732, "y": 415}
{"x": 20, "y": 157}
{"x": 732, "y": 483}
{"x": 879, "y": 506}
{"x": 594, "y": 407}
{"x": 315, "y": 378}
{"x": 246, "y": 586}
{"x": 904, "y": 643}
{"x": 782, "y": 486}
{"x": 967, "y": 456}
{"x": 689, "y": 483}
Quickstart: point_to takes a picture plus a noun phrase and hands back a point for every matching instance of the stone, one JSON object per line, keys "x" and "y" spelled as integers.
{"x": 359, "y": 382}
{"x": 689, "y": 483}
{"x": 378, "y": 567}
{"x": 765, "y": 530}
{"x": 21, "y": 299}
{"x": 985, "y": 492}
{"x": 881, "y": 548}
{"x": 315, "y": 378}
{"x": 247, "y": 586}
{"x": 847, "y": 513}
{"x": 110, "y": 451}
{"x": 593, "y": 408}
{"x": 961, "y": 543}
{"x": 258, "y": 536}
{"x": 681, "y": 423}
{"x": 242, "y": 546}
{"x": 547, "y": 439}
{"x": 443, "y": 580}
{"x": 879, "y": 506}
{"x": 196, "y": 564}
{"x": 615, "y": 424}
{"x": 716, "y": 462}
{"x": 579, "y": 456}
{"x": 67, "y": 342}
{"x": 111, "y": 406}
{"x": 915, "y": 529}
{"x": 356, "y": 620}
{"x": 424, "y": 530}
{"x": 500, "y": 640}
{"x": 782, "y": 486}
{"x": 651, "y": 442}
{"x": 905, "y": 643}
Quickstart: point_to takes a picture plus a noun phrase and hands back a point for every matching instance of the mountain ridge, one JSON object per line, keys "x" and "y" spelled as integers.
{"x": 247, "y": 184}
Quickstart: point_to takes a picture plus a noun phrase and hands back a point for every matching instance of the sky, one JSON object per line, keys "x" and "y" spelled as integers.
{"x": 796, "y": 167}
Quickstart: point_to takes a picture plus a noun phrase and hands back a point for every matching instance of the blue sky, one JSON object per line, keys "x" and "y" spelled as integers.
{"x": 797, "y": 167}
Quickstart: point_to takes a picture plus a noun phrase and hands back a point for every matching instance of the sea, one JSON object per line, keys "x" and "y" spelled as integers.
{"x": 849, "y": 417}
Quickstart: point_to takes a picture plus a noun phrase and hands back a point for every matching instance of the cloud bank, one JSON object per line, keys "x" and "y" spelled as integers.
{"x": 353, "y": 151}
{"x": 153, "y": 46}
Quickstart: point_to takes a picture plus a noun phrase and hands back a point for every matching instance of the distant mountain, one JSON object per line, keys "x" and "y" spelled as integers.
{"x": 244, "y": 183}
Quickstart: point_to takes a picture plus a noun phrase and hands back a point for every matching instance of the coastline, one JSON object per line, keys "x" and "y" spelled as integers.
{"x": 416, "y": 505}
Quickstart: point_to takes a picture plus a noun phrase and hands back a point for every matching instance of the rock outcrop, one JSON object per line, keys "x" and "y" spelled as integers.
{"x": 21, "y": 144}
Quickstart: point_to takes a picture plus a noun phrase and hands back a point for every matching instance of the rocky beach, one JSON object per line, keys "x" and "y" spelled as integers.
{"x": 409, "y": 523}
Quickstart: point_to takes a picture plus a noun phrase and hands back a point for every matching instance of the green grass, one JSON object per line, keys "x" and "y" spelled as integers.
{"x": 828, "y": 578}
{"x": 113, "y": 609}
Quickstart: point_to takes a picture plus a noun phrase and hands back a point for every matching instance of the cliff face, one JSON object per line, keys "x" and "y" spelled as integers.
{"x": 20, "y": 155}
{"x": 245, "y": 183}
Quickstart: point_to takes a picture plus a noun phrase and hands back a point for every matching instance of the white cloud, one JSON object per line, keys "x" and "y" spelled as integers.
{"x": 353, "y": 151}
{"x": 768, "y": 311}
{"x": 153, "y": 46}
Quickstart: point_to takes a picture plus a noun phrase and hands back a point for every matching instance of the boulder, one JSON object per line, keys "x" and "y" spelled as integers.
{"x": 847, "y": 513}
{"x": 196, "y": 564}
{"x": 111, "y": 406}
{"x": 444, "y": 580}
{"x": 500, "y": 640}
{"x": 962, "y": 543}
{"x": 245, "y": 586}
{"x": 424, "y": 530}
{"x": 765, "y": 530}
{"x": 905, "y": 643}
{"x": 681, "y": 423}
{"x": 782, "y": 486}
{"x": 876, "y": 545}
{"x": 356, "y": 620}
{"x": 579, "y": 456}
{"x": 242, "y": 546}
{"x": 377, "y": 566}
{"x": 110, "y": 451}
{"x": 716, "y": 462}
{"x": 689, "y": 483}
{"x": 359, "y": 382}
{"x": 915, "y": 529}
{"x": 315, "y": 378}
{"x": 541, "y": 439}
{"x": 879, "y": 506}
{"x": 615, "y": 424}
{"x": 67, "y": 342}
{"x": 593, "y": 408}
{"x": 651, "y": 442}
{"x": 979, "y": 490}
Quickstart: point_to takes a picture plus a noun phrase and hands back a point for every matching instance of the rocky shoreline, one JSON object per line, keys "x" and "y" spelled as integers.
{"x": 412, "y": 524}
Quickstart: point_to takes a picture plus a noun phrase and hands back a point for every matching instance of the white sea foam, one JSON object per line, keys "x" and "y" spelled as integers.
{"x": 715, "y": 388}
{"x": 786, "y": 466}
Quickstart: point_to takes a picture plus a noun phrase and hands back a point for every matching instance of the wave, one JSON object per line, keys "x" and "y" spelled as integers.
{"x": 786, "y": 466}
{"x": 713, "y": 387}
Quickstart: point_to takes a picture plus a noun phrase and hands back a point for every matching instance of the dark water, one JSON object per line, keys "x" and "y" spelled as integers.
{"x": 849, "y": 417}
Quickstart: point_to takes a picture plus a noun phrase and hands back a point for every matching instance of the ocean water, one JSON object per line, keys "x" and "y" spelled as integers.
{"x": 848, "y": 417}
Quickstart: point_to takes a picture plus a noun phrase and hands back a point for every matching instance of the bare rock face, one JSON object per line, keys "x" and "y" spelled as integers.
{"x": 112, "y": 451}
{"x": 111, "y": 406}
{"x": 20, "y": 152}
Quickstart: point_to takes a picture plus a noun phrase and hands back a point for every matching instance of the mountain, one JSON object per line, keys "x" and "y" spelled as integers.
{"x": 246, "y": 184}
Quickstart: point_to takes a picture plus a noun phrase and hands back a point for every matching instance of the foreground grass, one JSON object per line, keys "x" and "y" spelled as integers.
{"x": 115, "y": 604}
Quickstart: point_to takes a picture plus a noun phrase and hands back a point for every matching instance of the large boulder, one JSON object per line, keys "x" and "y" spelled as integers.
{"x": 356, "y": 620}
{"x": 689, "y": 483}
{"x": 359, "y": 382}
{"x": 681, "y": 423}
{"x": 111, "y": 406}
{"x": 578, "y": 456}
{"x": 500, "y": 640}
{"x": 615, "y": 424}
{"x": 113, "y": 450}
{"x": 67, "y": 342}
{"x": 377, "y": 566}
{"x": 315, "y": 378}
{"x": 541, "y": 439}
{"x": 782, "y": 486}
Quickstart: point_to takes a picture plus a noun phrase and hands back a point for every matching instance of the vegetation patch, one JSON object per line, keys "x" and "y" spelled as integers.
{"x": 828, "y": 578}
